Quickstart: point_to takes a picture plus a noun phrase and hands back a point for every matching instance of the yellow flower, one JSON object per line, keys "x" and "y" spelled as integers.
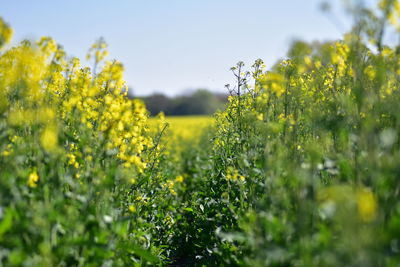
{"x": 370, "y": 72}
{"x": 233, "y": 175}
{"x": 49, "y": 138}
{"x": 5, "y": 153}
{"x": 366, "y": 204}
{"x": 179, "y": 179}
{"x": 5, "y": 32}
{"x": 33, "y": 179}
{"x": 132, "y": 208}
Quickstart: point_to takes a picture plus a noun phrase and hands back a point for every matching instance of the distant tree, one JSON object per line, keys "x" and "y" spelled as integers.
{"x": 199, "y": 102}
{"x": 157, "y": 102}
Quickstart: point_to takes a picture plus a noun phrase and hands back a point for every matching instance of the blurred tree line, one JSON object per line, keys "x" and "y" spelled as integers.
{"x": 198, "y": 102}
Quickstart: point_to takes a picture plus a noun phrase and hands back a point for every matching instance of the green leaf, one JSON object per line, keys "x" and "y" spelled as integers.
{"x": 144, "y": 254}
{"x": 6, "y": 222}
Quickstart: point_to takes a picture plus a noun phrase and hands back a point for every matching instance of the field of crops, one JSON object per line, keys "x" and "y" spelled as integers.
{"x": 182, "y": 127}
{"x": 302, "y": 167}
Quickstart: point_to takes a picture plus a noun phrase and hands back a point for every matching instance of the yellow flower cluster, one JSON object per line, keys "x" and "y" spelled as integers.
{"x": 275, "y": 81}
{"x": 5, "y": 32}
{"x": 33, "y": 179}
{"x": 234, "y": 175}
{"x": 43, "y": 91}
{"x": 179, "y": 179}
{"x": 170, "y": 186}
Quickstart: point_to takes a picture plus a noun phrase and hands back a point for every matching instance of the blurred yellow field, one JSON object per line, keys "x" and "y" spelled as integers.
{"x": 183, "y": 127}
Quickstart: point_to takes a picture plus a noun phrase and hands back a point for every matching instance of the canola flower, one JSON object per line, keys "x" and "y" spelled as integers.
{"x": 179, "y": 179}
{"x": 49, "y": 138}
{"x": 55, "y": 85}
{"x": 287, "y": 171}
{"x": 170, "y": 186}
{"x": 366, "y": 205}
{"x": 33, "y": 179}
{"x": 132, "y": 208}
{"x": 6, "y": 32}
{"x": 234, "y": 175}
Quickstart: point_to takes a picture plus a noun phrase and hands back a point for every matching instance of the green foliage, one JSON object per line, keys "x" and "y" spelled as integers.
{"x": 300, "y": 169}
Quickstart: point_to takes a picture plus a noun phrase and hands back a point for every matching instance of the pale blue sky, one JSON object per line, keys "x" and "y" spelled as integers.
{"x": 173, "y": 45}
